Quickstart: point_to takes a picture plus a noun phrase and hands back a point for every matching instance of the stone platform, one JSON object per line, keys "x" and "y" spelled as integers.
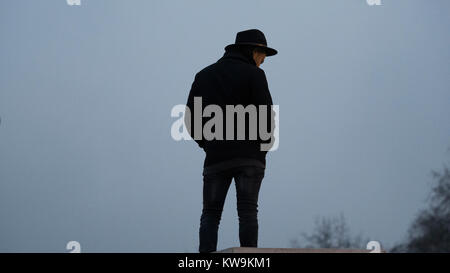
{"x": 291, "y": 250}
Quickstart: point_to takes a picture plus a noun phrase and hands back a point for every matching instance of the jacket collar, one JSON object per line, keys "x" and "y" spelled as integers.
{"x": 237, "y": 56}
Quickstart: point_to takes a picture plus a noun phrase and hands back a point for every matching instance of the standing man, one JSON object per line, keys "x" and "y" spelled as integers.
{"x": 235, "y": 79}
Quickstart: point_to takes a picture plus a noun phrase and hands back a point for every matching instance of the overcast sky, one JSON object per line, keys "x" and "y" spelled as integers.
{"x": 86, "y": 93}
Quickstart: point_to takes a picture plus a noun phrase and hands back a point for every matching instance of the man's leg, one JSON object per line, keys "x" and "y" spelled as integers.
{"x": 215, "y": 188}
{"x": 248, "y": 182}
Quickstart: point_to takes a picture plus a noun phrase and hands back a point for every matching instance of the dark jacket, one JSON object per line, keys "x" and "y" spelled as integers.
{"x": 234, "y": 79}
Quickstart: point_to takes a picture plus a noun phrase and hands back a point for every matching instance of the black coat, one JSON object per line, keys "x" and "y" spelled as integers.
{"x": 234, "y": 79}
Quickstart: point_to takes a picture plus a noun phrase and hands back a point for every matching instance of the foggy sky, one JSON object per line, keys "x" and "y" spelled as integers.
{"x": 86, "y": 93}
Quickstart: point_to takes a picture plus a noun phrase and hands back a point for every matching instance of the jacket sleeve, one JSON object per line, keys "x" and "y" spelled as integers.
{"x": 189, "y": 119}
{"x": 260, "y": 95}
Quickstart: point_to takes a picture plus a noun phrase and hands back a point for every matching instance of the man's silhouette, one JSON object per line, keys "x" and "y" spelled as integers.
{"x": 235, "y": 79}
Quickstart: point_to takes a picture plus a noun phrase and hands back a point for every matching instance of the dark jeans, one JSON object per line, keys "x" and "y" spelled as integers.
{"x": 215, "y": 187}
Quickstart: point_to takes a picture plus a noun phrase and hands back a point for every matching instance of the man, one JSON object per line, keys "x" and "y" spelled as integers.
{"x": 235, "y": 79}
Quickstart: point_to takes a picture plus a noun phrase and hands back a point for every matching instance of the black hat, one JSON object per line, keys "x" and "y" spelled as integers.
{"x": 253, "y": 37}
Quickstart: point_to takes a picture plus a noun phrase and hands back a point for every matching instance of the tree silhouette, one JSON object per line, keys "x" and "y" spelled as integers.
{"x": 430, "y": 231}
{"x": 330, "y": 233}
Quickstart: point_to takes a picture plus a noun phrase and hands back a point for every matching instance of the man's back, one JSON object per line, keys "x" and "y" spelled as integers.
{"x": 228, "y": 81}
{"x": 232, "y": 80}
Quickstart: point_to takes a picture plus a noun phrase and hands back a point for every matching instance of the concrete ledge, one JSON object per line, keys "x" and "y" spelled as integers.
{"x": 290, "y": 250}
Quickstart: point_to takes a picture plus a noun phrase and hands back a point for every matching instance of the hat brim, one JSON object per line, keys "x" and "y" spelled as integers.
{"x": 269, "y": 51}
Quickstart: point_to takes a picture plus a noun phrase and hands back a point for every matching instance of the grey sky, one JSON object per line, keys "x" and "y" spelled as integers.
{"x": 85, "y": 99}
